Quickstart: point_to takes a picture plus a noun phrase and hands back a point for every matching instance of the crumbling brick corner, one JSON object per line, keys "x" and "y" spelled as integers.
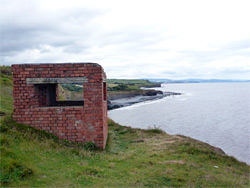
{"x": 35, "y": 95}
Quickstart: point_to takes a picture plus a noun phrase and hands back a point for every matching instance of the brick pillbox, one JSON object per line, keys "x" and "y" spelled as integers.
{"x": 35, "y": 94}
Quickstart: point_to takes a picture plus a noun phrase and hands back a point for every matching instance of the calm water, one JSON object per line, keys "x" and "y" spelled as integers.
{"x": 215, "y": 113}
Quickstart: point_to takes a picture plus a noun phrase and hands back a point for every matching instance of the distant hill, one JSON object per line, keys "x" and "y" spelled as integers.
{"x": 191, "y": 80}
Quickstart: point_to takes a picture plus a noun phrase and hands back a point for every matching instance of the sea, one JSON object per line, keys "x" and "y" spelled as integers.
{"x": 215, "y": 113}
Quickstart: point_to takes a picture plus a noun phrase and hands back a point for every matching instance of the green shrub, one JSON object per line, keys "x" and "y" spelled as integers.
{"x": 90, "y": 146}
{"x": 3, "y": 127}
{"x": 6, "y": 78}
{"x": 155, "y": 130}
{"x": 111, "y": 123}
{"x": 4, "y": 140}
{"x": 5, "y": 151}
{"x": 72, "y": 87}
{"x": 120, "y": 87}
{"x": 13, "y": 170}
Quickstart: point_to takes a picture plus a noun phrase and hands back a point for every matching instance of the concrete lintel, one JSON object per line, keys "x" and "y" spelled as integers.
{"x": 66, "y": 80}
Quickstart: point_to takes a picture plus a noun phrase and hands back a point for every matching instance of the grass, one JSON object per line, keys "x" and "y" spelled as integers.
{"x": 114, "y": 87}
{"x": 6, "y": 83}
{"x": 128, "y": 87}
{"x": 132, "y": 158}
{"x": 127, "y": 81}
{"x": 5, "y": 76}
{"x": 132, "y": 85}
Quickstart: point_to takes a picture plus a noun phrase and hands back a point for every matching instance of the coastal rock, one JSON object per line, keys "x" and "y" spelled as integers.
{"x": 114, "y": 106}
{"x": 127, "y": 94}
{"x": 153, "y": 85}
{"x": 122, "y": 94}
{"x": 152, "y": 92}
{"x": 127, "y": 101}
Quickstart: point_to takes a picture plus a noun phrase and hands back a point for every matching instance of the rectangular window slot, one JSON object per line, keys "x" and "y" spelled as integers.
{"x": 59, "y": 95}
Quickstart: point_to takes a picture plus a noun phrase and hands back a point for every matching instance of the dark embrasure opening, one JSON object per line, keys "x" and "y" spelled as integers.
{"x": 47, "y": 95}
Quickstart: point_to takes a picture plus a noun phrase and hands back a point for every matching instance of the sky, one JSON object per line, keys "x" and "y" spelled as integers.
{"x": 172, "y": 39}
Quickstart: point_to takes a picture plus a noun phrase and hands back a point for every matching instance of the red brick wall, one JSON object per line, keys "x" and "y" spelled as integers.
{"x": 73, "y": 123}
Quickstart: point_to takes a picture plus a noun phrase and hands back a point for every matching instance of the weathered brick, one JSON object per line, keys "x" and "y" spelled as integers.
{"x": 80, "y": 124}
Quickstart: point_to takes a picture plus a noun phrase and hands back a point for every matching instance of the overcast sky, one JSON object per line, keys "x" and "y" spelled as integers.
{"x": 172, "y": 39}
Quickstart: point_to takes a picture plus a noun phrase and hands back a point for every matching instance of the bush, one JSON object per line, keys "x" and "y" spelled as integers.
{"x": 3, "y": 127}
{"x": 72, "y": 87}
{"x": 90, "y": 146}
{"x": 6, "y": 78}
{"x": 14, "y": 170}
{"x": 155, "y": 130}
{"x": 111, "y": 122}
{"x": 4, "y": 140}
{"x": 120, "y": 87}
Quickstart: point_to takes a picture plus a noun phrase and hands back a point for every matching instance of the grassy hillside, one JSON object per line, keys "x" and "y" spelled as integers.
{"x": 128, "y": 81}
{"x": 6, "y": 84}
{"x": 132, "y": 158}
{"x": 114, "y": 87}
{"x": 128, "y": 85}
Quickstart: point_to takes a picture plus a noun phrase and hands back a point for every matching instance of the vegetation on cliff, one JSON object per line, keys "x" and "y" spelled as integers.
{"x": 117, "y": 88}
{"x": 132, "y": 158}
{"x": 129, "y": 84}
{"x": 125, "y": 88}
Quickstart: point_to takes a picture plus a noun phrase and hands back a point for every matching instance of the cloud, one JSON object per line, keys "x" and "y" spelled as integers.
{"x": 131, "y": 39}
{"x": 22, "y": 31}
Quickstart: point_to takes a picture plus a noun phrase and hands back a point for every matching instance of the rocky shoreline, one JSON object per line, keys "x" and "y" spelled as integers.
{"x": 124, "y": 99}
